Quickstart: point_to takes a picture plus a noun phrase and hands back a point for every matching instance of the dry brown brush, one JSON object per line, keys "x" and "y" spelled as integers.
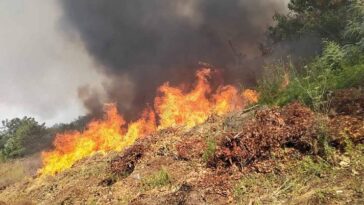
{"x": 291, "y": 125}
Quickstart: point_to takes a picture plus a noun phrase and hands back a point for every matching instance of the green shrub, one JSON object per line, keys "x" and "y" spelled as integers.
{"x": 313, "y": 84}
{"x": 308, "y": 87}
{"x": 354, "y": 30}
{"x": 332, "y": 57}
{"x": 349, "y": 76}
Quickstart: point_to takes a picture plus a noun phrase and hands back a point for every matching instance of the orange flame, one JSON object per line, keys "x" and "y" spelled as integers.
{"x": 173, "y": 107}
{"x": 99, "y": 136}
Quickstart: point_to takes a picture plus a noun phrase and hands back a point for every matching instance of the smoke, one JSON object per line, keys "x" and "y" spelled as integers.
{"x": 143, "y": 43}
{"x": 40, "y": 69}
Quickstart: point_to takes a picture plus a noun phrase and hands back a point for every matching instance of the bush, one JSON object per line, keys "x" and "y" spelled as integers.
{"x": 313, "y": 84}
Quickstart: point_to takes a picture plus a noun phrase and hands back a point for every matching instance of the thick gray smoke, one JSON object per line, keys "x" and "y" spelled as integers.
{"x": 143, "y": 43}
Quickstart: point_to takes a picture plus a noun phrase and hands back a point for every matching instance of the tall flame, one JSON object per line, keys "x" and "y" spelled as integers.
{"x": 172, "y": 107}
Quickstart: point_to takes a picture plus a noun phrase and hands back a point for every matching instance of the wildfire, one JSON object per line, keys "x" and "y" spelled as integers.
{"x": 100, "y": 136}
{"x": 173, "y": 106}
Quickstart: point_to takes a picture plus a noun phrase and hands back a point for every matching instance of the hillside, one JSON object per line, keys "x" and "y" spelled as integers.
{"x": 258, "y": 156}
{"x": 284, "y": 125}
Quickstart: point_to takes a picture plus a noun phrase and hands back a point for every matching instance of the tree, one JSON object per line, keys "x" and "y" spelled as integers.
{"x": 19, "y": 137}
{"x": 326, "y": 19}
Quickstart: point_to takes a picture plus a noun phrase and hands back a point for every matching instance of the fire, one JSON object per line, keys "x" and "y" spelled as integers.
{"x": 173, "y": 107}
{"x": 100, "y": 136}
{"x": 176, "y": 107}
{"x": 250, "y": 96}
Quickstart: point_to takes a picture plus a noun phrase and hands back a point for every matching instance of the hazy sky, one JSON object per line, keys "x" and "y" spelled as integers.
{"x": 41, "y": 67}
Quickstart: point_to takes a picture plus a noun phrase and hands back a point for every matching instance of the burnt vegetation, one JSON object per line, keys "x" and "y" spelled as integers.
{"x": 124, "y": 164}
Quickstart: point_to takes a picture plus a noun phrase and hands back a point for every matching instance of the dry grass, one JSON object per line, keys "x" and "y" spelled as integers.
{"x": 16, "y": 170}
{"x": 311, "y": 180}
{"x": 11, "y": 172}
{"x": 158, "y": 179}
{"x": 172, "y": 170}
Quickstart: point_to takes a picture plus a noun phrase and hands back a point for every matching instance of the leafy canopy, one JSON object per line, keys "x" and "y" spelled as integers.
{"x": 19, "y": 137}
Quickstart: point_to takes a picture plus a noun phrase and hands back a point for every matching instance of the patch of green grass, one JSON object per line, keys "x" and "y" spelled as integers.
{"x": 310, "y": 167}
{"x": 296, "y": 178}
{"x": 257, "y": 188}
{"x": 159, "y": 179}
{"x": 210, "y": 149}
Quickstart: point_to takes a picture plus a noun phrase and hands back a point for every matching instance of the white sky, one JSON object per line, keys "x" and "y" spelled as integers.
{"x": 41, "y": 67}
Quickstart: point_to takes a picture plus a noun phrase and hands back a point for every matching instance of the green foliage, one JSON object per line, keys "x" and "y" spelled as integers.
{"x": 354, "y": 30}
{"x": 309, "y": 167}
{"x": 303, "y": 88}
{"x": 324, "y": 149}
{"x": 271, "y": 84}
{"x": 287, "y": 28}
{"x": 210, "y": 149}
{"x": 349, "y": 146}
{"x": 332, "y": 57}
{"x": 354, "y": 34}
{"x": 314, "y": 83}
{"x": 341, "y": 64}
{"x": 158, "y": 179}
{"x": 20, "y": 136}
{"x": 338, "y": 21}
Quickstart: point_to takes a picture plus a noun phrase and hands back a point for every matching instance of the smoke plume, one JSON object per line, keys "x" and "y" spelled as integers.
{"x": 143, "y": 43}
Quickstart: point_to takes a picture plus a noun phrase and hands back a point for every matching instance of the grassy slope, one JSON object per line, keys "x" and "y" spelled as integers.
{"x": 162, "y": 177}
{"x": 16, "y": 170}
